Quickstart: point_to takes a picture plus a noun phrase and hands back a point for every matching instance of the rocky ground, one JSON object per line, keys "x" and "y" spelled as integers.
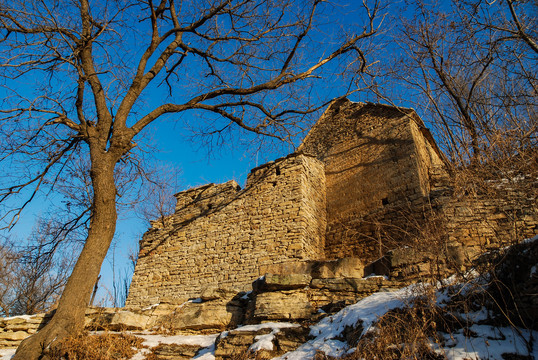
{"x": 487, "y": 313}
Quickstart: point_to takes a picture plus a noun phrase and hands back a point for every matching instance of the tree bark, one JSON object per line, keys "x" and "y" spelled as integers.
{"x": 69, "y": 316}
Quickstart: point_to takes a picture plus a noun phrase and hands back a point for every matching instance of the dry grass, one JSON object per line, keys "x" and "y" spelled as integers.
{"x": 412, "y": 332}
{"x": 249, "y": 355}
{"x": 405, "y": 333}
{"x": 96, "y": 347}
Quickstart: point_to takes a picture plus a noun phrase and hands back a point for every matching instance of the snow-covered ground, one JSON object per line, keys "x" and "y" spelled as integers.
{"x": 366, "y": 311}
{"x": 487, "y": 342}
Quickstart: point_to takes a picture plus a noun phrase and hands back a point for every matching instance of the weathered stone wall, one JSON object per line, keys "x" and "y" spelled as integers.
{"x": 368, "y": 179}
{"x": 222, "y": 235}
{"x": 430, "y": 164}
{"x": 379, "y": 167}
{"x": 480, "y": 222}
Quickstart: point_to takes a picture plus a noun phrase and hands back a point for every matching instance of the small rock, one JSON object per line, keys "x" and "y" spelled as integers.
{"x": 14, "y": 336}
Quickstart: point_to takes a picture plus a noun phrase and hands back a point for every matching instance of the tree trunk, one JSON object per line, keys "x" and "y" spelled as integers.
{"x": 69, "y": 316}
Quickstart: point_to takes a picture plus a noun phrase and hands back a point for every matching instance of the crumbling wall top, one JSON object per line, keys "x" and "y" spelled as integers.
{"x": 206, "y": 197}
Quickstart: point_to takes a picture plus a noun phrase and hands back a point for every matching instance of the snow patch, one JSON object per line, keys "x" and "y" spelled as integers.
{"x": 366, "y": 311}
{"x": 7, "y": 354}
{"x": 264, "y": 342}
{"x": 271, "y": 325}
{"x": 532, "y": 239}
{"x": 490, "y": 343}
{"x": 24, "y": 317}
{"x": 206, "y": 354}
{"x": 151, "y": 307}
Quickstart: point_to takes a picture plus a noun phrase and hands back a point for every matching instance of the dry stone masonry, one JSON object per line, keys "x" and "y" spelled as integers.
{"x": 17, "y": 328}
{"x": 221, "y": 234}
{"x": 362, "y": 186}
{"x": 290, "y": 297}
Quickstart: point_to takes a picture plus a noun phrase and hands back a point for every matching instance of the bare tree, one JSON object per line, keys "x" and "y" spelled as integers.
{"x": 467, "y": 66}
{"x": 511, "y": 20}
{"x": 8, "y": 277}
{"x": 32, "y": 276}
{"x": 81, "y": 81}
{"x": 159, "y": 196}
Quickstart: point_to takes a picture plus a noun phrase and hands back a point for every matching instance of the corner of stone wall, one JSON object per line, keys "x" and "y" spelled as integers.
{"x": 221, "y": 236}
{"x": 432, "y": 171}
{"x": 314, "y": 207}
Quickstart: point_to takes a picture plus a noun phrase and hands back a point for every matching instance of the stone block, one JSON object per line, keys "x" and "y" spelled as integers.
{"x": 347, "y": 285}
{"x": 21, "y": 326}
{"x": 282, "y": 305}
{"x": 289, "y": 339}
{"x": 175, "y": 351}
{"x": 276, "y": 282}
{"x": 404, "y": 256}
{"x": 16, "y": 320}
{"x": 215, "y": 292}
{"x": 236, "y": 342}
{"x": 8, "y": 344}
{"x": 126, "y": 320}
{"x": 212, "y": 315}
{"x": 342, "y": 268}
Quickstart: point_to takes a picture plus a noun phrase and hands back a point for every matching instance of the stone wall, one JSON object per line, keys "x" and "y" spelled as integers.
{"x": 486, "y": 220}
{"x": 367, "y": 181}
{"x": 221, "y": 234}
{"x": 293, "y": 291}
{"x": 379, "y": 166}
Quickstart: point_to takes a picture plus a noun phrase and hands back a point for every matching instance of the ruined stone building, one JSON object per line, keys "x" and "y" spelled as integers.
{"x": 358, "y": 186}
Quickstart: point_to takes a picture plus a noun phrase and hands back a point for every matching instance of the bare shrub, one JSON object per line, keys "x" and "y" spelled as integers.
{"x": 420, "y": 329}
{"x": 33, "y": 275}
{"x": 96, "y": 347}
{"x": 403, "y": 333}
